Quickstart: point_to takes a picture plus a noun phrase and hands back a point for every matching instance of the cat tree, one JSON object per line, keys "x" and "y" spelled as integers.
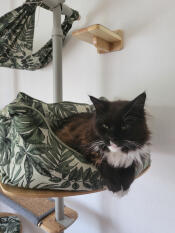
{"x": 36, "y": 202}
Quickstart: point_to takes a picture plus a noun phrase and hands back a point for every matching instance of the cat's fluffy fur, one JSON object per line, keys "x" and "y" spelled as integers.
{"x": 115, "y": 138}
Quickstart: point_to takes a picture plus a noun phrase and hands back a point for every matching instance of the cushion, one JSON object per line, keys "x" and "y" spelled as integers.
{"x": 33, "y": 157}
{"x": 10, "y": 224}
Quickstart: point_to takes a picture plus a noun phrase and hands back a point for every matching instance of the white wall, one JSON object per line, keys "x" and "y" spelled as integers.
{"x": 146, "y": 63}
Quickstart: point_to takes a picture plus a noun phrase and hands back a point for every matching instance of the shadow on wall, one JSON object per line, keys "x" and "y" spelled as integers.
{"x": 101, "y": 6}
{"x": 162, "y": 126}
{"x": 105, "y": 223}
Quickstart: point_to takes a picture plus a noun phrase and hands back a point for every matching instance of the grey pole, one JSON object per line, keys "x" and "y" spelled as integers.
{"x": 59, "y": 209}
{"x": 57, "y": 38}
{"x": 57, "y": 7}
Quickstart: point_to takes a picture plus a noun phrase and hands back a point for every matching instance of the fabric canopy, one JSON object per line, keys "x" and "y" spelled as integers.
{"x": 17, "y": 34}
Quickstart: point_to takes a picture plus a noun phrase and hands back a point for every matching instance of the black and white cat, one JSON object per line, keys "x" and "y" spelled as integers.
{"x": 114, "y": 137}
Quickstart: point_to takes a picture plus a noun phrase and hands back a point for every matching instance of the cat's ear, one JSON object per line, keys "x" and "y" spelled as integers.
{"x": 135, "y": 108}
{"x": 100, "y": 105}
{"x": 139, "y": 101}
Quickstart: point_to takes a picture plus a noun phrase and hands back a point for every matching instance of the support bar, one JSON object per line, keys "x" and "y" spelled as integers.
{"x": 59, "y": 213}
{"x": 101, "y": 44}
{"x": 57, "y": 39}
{"x": 59, "y": 209}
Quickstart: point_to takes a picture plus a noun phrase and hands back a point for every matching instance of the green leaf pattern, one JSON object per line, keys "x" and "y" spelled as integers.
{"x": 32, "y": 156}
{"x": 10, "y": 224}
{"x": 17, "y": 34}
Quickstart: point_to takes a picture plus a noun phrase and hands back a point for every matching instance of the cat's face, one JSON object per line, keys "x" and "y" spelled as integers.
{"x": 122, "y": 124}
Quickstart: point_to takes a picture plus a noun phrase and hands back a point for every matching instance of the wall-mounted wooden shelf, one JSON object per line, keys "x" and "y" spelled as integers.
{"x": 101, "y": 37}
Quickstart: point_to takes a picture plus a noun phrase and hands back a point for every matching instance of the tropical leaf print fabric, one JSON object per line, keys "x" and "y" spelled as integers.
{"x": 10, "y": 224}
{"x": 16, "y": 38}
{"x": 31, "y": 155}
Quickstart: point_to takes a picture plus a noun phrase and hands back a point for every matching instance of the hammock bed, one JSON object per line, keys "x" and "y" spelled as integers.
{"x": 33, "y": 157}
{"x": 16, "y": 37}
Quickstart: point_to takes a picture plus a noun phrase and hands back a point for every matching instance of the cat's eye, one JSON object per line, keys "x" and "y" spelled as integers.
{"x": 105, "y": 126}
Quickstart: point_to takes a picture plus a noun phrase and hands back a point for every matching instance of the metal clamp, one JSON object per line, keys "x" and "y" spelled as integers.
{"x": 53, "y": 3}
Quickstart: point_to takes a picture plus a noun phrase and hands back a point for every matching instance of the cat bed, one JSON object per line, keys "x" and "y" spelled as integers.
{"x": 9, "y": 223}
{"x": 17, "y": 34}
{"x": 33, "y": 157}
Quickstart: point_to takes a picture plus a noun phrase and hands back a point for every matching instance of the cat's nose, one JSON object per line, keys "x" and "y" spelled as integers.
{"x": 112, "y": 144}
{"x": 113, "y": 147}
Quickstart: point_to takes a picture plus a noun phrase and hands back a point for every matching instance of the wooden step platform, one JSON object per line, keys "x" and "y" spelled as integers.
{"x": 50, "y": 225}
{"x": 104, "y": 39}
{"x": 39, "y": 206}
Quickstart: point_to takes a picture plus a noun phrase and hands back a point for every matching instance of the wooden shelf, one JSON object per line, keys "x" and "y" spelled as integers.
{"x": 101, "y": 37}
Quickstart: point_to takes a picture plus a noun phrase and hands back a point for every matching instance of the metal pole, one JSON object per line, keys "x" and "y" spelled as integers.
{"x": 57, "y": 7}
{"x": 59, "y": 208}
{"x": 57, "y": 38}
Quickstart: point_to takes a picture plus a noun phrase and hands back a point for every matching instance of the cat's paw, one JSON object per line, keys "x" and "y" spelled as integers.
{"x": 122, "y": 193}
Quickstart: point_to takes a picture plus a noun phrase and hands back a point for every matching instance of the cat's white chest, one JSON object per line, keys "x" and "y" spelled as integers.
{"x": 118, "y": 159}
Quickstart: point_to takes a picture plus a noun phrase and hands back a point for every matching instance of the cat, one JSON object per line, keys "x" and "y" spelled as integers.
{"x": 114, "y": 138}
